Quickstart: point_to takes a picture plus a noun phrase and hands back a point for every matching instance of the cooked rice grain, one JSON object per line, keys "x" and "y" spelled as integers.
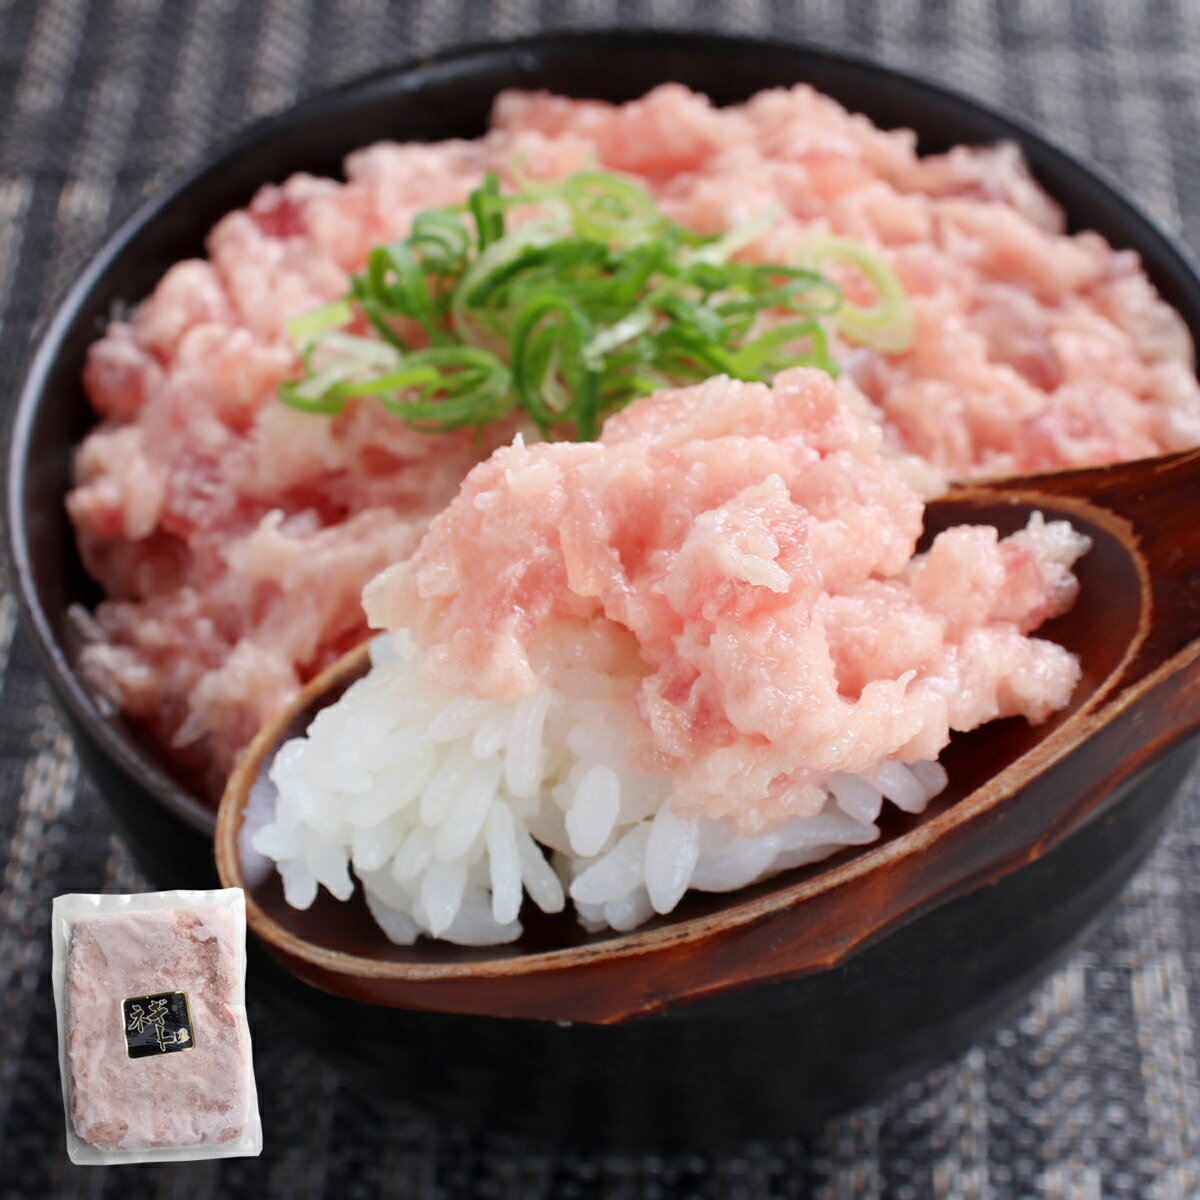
{"x": 450, "y": 810}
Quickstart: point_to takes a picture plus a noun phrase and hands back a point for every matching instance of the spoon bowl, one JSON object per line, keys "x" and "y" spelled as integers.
{"x": 1016, "y": 791}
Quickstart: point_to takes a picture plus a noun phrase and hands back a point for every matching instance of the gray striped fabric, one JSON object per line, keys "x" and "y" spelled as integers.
{"x": 1091, "y": 1092}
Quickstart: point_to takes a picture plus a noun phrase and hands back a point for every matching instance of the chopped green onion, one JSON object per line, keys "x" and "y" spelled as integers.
{"x": 776, "y": 349}
{"x": 488, "y": 210}
{"x": 363, "y": 352}
{"x": 549, "y": 369}
{"x": 889, "y": 324}
{"x": 306, "y": 327}
{"x": 723, "y": 248}
{"x": 592, "y": 302}
{"x": 441, "y": 242}
{"x": 609, "y": 208}
{"x": 469, "y": 320}
{"x": 455, "y": 386}
{"x": 607, "y": 340}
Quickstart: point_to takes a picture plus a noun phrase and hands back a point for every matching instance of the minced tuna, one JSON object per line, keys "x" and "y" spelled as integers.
{"x": 232, "y": 536}
{"x": 758, "y": 548}
{"x": 688, "y": 655}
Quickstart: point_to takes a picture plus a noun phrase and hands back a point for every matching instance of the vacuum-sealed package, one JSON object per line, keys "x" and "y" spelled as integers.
{"x": 154, "y": 1047}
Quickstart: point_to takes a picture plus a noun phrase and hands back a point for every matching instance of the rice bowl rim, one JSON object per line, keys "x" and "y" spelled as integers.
{"x": 55, "y": 656}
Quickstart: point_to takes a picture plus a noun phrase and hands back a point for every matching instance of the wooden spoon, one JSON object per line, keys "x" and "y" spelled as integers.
{"x": 1015, "y": 792}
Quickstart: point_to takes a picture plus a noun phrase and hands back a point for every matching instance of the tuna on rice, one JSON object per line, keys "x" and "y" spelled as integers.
{"x": 687, "y": 655}
{"x": 232, "y": 536}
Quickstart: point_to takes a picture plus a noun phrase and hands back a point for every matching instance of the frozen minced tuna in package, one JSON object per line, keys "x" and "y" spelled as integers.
{"x": 154, "y": 1047}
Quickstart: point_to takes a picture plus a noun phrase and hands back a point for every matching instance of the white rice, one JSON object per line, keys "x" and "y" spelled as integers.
{"x": 451, "y": 811}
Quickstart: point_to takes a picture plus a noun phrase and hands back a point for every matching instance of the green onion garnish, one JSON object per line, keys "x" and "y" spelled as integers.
{"x": 889, "y": 324}
{"x": 593, "y": 301}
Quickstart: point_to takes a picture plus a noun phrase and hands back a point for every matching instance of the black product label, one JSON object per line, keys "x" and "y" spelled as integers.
{"x": 158, "y": 1024}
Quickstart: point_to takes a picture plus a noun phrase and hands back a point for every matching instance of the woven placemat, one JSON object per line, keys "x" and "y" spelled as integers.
{"x": 1091, "y": 1091}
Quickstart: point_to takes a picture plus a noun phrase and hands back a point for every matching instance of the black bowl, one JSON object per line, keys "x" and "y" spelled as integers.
{"x": 759, "y": 1063}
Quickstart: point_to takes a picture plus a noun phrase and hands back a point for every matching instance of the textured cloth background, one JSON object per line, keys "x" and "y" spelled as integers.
{"x": 1092, "y": 1091}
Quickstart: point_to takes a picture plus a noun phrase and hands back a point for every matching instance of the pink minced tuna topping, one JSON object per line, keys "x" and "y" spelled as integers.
{"x": 194, "y": 1097}
{"x": 755, "y": 549}
{"x": 232, "y": 535}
